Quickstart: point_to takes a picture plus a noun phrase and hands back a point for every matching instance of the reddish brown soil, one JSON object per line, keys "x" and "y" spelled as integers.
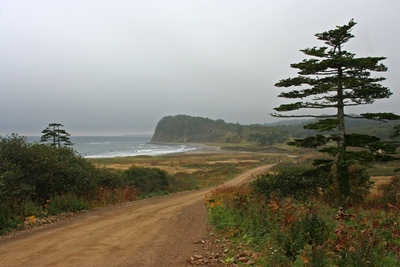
{"x": 162, "y": 231}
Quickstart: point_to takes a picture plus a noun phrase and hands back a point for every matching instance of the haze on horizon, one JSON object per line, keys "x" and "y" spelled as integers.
{"x": 117, "y": 67}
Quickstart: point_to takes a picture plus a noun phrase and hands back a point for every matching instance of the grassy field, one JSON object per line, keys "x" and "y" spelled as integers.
{"x": 201, "y": 169}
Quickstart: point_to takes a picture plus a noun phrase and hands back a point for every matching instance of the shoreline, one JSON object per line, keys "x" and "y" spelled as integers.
{"x": 198, "y": 148}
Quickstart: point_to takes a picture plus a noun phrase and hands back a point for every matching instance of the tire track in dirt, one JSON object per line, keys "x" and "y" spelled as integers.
{"x": 153, "y": 232}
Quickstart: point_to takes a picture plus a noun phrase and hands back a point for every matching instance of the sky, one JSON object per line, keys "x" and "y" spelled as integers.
{"x": 117, "y": 67}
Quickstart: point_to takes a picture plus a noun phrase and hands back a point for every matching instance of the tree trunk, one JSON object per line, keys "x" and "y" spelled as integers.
{"x": 342, "y": 167}
{"x": 54, "y": 135}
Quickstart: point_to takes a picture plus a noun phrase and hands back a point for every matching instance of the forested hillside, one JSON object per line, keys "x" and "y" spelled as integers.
{"x": 187, "y": 129}
{"x": 380, "y": 129}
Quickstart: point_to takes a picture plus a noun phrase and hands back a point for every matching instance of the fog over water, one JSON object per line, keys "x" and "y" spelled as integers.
{"x": 117, "y": 67}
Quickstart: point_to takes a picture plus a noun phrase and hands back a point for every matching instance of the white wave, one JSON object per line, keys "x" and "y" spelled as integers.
{"x": 98, "y": 143}
{"x": 143, "y": 152}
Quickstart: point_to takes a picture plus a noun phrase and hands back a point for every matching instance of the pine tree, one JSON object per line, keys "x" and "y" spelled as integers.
{"x": 55, "y": 135}
{"x": 334, "y": 79}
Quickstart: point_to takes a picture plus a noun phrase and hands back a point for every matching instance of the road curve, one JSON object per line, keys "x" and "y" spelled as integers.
{"x": 153, "y": 232}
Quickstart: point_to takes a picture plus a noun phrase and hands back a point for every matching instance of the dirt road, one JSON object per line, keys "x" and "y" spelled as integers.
{"x": 156, "y": 232}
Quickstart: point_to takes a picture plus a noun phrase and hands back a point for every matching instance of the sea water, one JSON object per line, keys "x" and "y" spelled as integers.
{"x": 119, "y": 146}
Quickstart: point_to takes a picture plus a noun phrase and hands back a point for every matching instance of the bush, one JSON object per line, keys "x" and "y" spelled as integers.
{"x": 360, "y": 185}
{"x": 110, "y": 178}
{"x": 107, "y": 196}
{"x": 37, "y": 171}
{"x": 146, "y": 179}
{"x": 31, "y": 174}
{"x": 294, "y": 182}
{"x": 66, "y": 202}
{"x": 310, "y": 230}
{"x": 391, "y": 190}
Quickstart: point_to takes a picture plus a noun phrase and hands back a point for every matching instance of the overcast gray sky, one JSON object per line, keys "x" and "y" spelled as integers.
{"x": 117, "y": 67}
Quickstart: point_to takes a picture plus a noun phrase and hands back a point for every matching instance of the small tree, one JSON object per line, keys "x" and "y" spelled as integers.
{"x": 55, "y": 135}
{"x": 337, "y": 79}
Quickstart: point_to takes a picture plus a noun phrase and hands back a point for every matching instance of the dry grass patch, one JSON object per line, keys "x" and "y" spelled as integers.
{"x": 118, "y": 166}
{"x": 189, "y": 163}
{"x": 234, "y": 161}
{"x": 378, "y": 180}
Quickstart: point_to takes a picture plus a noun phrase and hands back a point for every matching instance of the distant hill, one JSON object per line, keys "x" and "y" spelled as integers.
{"x": 188, "y": 129}
{"x": 377, "y": 128}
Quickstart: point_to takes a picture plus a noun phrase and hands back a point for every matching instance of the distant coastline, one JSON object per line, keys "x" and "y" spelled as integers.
{"x": 195, "y": 148}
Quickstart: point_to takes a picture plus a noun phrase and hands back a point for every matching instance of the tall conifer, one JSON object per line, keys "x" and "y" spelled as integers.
{"x": 335, "y": 79}
{"x": 55, "y": 135}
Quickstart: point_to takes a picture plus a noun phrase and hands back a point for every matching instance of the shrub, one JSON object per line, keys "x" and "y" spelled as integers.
{"x": 38, "y": 171}
{"x": 360, "y": 185}
{"x": 29, "y": 208}
{"x": 32, "y": 173}
{"x": 146, "y": 179}
{"x": 294, "y": 182}
{"x": 110, "y": 178}
{"x": 107, "y": 196}
{"x": 67, "y": 202}
{"x": 309, "y": 230}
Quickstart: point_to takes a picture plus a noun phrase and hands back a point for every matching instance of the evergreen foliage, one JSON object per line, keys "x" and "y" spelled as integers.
{"x": 295, "y": 128}
{"x": 396, "y": 132}
{"x": 55, "y": 135}
{"x": 299, "y": 183}
{"x": 334, "y": 78}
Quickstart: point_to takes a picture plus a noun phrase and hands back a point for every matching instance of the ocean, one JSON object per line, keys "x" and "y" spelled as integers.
{"x": 119, "y": 146}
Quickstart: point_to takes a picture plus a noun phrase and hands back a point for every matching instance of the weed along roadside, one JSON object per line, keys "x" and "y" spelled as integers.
{"x": 286, "y": 227}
